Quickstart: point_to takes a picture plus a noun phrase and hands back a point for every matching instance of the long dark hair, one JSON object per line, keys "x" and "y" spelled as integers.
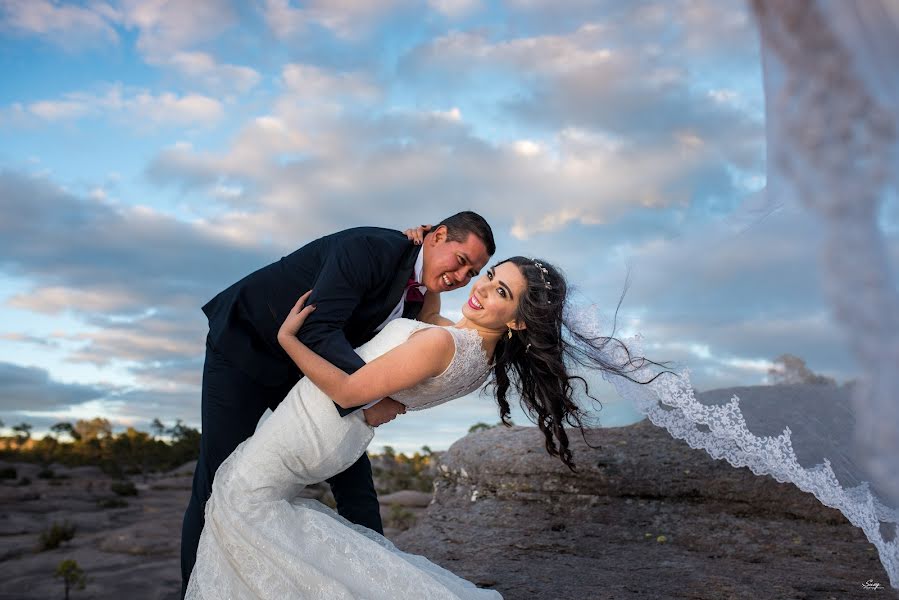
{"x": 535, "y": 361}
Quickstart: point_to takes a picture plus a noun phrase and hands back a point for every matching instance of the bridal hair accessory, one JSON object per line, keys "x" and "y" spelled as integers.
{"x": 543, "y": 274}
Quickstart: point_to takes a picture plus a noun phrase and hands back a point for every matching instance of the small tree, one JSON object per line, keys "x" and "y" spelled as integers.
{"x": 478, "y": 427}
{"x": 23, "y": 432}
{"x": 179, "y": 431}
{"x": 64, "y": 428}
{"x": 96, "y": 428}
{"x": 157, "y": 427}
{"x": 72, "y": 575}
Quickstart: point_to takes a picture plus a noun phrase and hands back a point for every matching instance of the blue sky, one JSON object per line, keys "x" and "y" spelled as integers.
{"x": 152, "y": 152}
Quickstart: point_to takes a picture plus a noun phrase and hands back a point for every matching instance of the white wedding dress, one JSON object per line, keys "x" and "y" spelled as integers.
{"x": 261, "y": 541}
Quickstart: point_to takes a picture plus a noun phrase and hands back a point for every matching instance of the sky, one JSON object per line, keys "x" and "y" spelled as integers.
{"x": 152, "y": 152}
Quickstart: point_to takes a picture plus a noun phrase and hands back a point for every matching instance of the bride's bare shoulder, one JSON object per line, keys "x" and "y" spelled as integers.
{"x": 436, "y": 345}
{"x": 439, "y": 336}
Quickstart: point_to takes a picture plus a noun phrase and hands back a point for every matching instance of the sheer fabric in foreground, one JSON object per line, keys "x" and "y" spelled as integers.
{"x": 261, "y": 541}
{"x": 832, "y": 107}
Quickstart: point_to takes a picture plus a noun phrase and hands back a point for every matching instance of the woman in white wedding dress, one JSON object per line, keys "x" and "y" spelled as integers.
{"x": 262, "y": 541}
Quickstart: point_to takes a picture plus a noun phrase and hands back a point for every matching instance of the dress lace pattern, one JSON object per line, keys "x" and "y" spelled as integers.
{"x": 262, "y": 541}
{"x": 466, "y": 372}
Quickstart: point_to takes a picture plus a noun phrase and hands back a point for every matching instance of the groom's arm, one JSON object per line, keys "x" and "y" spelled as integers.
{"x": 337, "y": 291}
{"x": 350, "y": 270}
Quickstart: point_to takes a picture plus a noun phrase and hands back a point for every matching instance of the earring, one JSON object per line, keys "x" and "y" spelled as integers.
{"x": 510, "y": 333}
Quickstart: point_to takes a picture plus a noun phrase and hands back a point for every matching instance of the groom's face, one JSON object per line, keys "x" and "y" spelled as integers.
{"x": 450, "y": 265}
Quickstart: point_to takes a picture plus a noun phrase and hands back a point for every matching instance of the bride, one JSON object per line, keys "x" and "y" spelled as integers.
{"x": 262, "y": 541}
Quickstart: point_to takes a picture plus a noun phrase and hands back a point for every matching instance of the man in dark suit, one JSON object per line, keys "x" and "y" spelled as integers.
{"x": 361, "y": 279}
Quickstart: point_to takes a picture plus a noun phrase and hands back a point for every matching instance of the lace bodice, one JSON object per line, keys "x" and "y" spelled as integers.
{"x": 466, "y": 372}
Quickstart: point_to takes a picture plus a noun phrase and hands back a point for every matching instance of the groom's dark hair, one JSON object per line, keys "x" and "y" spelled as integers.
{"x": 461, "y": 225}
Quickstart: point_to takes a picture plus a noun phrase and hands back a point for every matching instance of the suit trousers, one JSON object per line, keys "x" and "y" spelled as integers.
{"x": 232, "y": 404}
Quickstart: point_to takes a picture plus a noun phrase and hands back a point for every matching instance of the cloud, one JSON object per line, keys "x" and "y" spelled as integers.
{"x": 138, "y": 407}
{"x": 92, "y": 258}
{"x": 346, "y": 19}
{"x": 69, "y": 26}
{"x": 33, "y": 388}
{"x": 326, "y": 147}
{"x": 168, "y": 108}
{"x": 698, "y": 30}
{"x": 134, "y": 277}
{"x": 55, "y": 299}
{"x": 30, "y": 339}
{"x": 436, "y": 162}
{"x": 305, "y": 120}
{"x": 585, "y": 79}
{"x": 202, "y": 68}
{"x": 608, "y": 141}
{"x": 303, "y": 82}
{"x": 166, "y": 27}
{"x": 168, "y": 33}
{"x": 166, "y": 338}
{"x": 749, "y": 295}
{"x": 455, "y": 9}
{"x": 139, "y": 107}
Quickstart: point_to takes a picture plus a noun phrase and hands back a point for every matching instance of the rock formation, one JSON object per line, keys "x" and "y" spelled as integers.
{"x": 645, "y": 516}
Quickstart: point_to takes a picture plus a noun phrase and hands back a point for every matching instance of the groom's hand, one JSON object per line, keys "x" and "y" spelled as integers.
{"x": 383, "y": 412}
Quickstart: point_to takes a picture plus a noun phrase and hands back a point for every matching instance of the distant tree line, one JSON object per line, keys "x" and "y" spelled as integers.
{"x": 397, "y": 471}
{"x": 92, "y": 442}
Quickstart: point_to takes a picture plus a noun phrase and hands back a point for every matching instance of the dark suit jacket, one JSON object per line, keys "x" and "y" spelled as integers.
{"x": 357, "y": 277}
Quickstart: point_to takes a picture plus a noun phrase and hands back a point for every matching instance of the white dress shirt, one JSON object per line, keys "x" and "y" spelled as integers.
{"x": 397, "y": 311}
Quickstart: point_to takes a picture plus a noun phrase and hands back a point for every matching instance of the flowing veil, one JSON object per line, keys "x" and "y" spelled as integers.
{"x": 832, "y": 101}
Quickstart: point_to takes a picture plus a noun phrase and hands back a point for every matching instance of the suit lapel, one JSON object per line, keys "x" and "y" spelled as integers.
{"x": 400, "y": 280}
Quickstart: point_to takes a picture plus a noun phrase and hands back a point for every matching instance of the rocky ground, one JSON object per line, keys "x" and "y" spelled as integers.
{"x": 130, "y": 551}
{"x": 646, "y": 517}
{"x": 127, "y": 551}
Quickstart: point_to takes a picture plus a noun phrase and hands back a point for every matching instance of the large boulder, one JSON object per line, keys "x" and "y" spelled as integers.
{"x": 645, "y": 515}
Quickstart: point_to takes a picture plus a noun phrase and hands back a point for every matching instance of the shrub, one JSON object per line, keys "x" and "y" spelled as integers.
{"x": 8, "y": 473}
{"x": 112, "y": 503}
{"x": 479, "y": 427}
{"x": 400, "y": 518}
{"x": 123, "y": 488}
{"x": 56, "y": 534}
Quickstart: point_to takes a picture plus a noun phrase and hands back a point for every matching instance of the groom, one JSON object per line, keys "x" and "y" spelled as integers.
{"x": 361, "y": 279}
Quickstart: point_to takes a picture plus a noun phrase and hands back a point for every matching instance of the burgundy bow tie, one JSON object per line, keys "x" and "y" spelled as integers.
{"x": 413, "y": 294}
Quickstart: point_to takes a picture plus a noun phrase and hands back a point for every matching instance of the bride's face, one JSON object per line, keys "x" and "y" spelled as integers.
{"x": 494, "y": 298}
